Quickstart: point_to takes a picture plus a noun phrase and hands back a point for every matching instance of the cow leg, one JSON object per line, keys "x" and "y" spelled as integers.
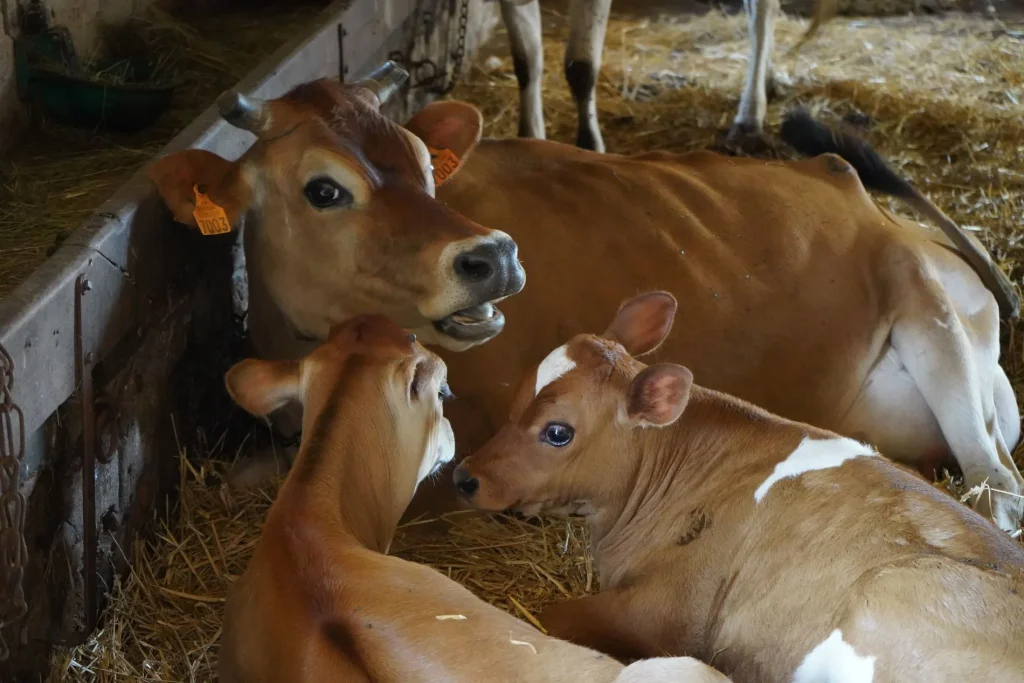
{"x": 588, "y": 20}
{"x": 754, "y": 101}
{"x": 522, "y": 20}
{"x": 602, "y": 622}
{"x": 951, "y": 361}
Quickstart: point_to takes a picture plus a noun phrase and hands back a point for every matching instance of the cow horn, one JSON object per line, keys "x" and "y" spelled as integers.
{"x": 248, "y": 113}
{"x": 385, "y": 80}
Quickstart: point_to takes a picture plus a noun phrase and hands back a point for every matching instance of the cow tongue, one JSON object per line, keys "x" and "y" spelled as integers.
{"x": 474, "y": 314}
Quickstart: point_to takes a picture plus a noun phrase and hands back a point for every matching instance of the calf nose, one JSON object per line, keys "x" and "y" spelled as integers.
{"x": 465, "y": 483}
{"x": 491, "y": 269}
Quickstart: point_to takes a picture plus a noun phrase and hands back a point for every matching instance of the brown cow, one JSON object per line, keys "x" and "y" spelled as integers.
{"x": 320, "y": 600}
{"x": 801, "y": 294}
{"x": 774, "y": 550}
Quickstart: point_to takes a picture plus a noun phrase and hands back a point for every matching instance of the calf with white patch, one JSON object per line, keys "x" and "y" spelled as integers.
{"x": 802, "y": 294}
{"x": 771, "y": 549}
{"x": 321, "y": 600}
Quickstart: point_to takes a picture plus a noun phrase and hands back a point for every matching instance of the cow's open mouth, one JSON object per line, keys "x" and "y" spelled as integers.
{"x": 475, "y": 323}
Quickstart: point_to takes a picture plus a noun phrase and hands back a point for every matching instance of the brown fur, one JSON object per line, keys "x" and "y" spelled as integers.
{"x": 796, "y": 291}
{"x": 320, "y": 601}
{"x": 689, "y": 562}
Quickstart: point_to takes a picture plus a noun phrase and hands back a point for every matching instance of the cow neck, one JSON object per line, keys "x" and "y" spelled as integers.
{"x": 345, "y": 477}
{"x": 674, "y": 470}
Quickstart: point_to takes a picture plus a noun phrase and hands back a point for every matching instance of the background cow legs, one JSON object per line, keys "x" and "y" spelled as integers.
{"x": 588, "y": 20}
{"x": 760, "y": 72}
{"x": 522, "y": 20}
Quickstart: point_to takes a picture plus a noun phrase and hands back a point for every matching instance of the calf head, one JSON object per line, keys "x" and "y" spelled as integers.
{"x": 370, "y": 387}
{"x": 341, "y": 208}
{"x": 569, "y": 438}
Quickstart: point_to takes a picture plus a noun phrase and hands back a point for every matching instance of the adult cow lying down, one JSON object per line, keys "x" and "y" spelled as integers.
{"x": 775, "y": 550}
{"x": 320, "y": 600}
{"x": 798, "y": 292}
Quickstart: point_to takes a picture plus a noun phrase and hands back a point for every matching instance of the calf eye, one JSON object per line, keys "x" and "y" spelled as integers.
{"x": 324, "y": 193}
{"x": 444, "y": 393}
{"x": 557, "y": 434}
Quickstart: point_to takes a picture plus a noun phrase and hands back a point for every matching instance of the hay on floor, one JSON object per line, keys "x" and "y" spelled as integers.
{"x": 57, "y": 177}
{"x": 942, "y": 95}
{"x": 163, "y": 621}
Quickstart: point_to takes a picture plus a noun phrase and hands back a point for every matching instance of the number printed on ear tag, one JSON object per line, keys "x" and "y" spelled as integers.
{"x": 212, "y": 219}
{"x": 444, "y": 163}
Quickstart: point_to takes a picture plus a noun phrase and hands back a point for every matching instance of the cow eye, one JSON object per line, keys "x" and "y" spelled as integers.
{"x": 444, "y": 393}
{"x": 557, "y": 434}
{"x": 324, "y": 193}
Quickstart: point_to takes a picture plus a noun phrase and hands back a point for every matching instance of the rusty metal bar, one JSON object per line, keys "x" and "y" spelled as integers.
{"x": 83, "y": 373}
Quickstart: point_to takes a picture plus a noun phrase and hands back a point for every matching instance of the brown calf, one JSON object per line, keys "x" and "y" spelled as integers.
{"x": 772, "y": 549}
{"x": 799, "y": 293}
{"x": 320, "y": 600}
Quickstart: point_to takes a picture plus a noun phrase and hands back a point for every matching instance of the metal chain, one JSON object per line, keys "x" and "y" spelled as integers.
{"x": 426, "y": 74}
{"x": 460, "y": 45}
{"x": 13, "y": 551}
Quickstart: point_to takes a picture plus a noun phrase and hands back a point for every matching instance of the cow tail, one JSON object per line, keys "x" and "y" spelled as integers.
{"x": 812, "y": 138}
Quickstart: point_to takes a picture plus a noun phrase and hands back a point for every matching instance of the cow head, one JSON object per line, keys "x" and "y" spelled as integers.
{"x": 371, "y": 392}
{"x": 569, "y": 438}
{"x": 341, "y": 203}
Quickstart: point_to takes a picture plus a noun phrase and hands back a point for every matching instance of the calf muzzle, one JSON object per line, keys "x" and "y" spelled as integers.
{"x": 465, "y": 483}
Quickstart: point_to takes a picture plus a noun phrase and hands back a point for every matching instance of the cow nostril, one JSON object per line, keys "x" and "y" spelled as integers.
{"x": 465, "y": 483}
{"x": 468, "y": 487}
{"x": 474, "y": 267}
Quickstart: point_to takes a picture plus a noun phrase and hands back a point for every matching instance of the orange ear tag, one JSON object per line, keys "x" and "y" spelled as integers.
{"x": 212, "y": 219}
{"x": 444, "y": 162}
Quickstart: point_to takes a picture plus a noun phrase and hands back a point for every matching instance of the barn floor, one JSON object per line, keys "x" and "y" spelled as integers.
{"x": 943, "y": 97}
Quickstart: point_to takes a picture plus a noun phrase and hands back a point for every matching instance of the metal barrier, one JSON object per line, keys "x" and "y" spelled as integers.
{"x": 104, "y": 338}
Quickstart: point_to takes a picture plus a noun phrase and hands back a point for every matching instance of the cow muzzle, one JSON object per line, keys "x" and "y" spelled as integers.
{"x": 488, "y": 273}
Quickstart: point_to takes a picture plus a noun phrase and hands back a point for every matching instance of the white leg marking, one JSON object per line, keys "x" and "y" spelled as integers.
{"x": 958, "y": 389}
{"x": 554, "y": 366}
{"x": 761, "y": 28}
{"x": 835, "y": 661}
{"x": 820, "y": 454}
{"x": 522, "y": 20}
{"x": 588, "y": 20}
{"x": 669, "y": 670}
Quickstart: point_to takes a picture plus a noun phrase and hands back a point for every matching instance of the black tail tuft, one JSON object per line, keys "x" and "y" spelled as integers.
{"x": 811, "y": 138}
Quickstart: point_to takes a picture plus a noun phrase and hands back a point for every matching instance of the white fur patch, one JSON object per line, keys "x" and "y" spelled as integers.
{"x": 821, "y": 454}
{"x": 439, "y": 451}
{"x": 835, "y": 661}
{"x": 554, "y": 366}
{"x": 668, "y": 670}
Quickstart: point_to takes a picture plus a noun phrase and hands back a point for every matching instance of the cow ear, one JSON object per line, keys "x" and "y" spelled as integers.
{"x": 178, "y": 176}
{"x": 263, "y": 386}
{"x": 658, "y": 395}
{"x": 643, "y": 323}
{"x": 450, "y": 129}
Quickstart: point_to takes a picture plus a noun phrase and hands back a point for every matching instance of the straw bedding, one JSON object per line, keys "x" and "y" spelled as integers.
{"x": 57, "y": 177}
{"x": 942, "y": 98}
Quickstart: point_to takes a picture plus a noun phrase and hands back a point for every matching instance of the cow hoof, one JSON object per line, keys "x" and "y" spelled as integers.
{"x": 748, "y": 140}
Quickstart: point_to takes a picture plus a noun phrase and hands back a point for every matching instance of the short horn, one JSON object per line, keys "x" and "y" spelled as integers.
{"x": 247, "y": 113}
{"x": 385, "y": 80}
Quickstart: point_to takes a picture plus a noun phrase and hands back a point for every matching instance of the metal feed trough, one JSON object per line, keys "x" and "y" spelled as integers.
{"x": 116, "y": 346}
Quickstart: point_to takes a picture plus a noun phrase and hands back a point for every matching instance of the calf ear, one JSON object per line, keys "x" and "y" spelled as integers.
{"x": 263, "y": 386}
{"x": 642, "y": 324}
{"x": 658, "y": 395}
{"x": 450, "y": 129}
{"x": 178, "y": 175}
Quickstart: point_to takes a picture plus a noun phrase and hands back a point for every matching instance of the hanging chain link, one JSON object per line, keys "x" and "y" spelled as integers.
{"x": 13, "y": 551}
{"x": 460, "y": 45}
{"x": 426, "y": 73}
